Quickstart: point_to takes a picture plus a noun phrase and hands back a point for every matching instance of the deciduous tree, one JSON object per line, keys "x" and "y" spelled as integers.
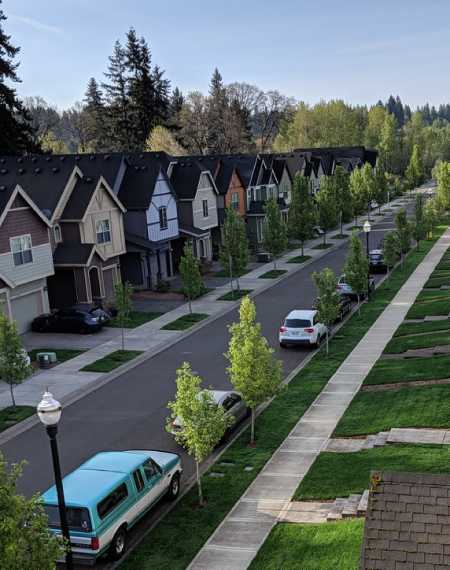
{"x": 190, "y": 275}
{"x": 123, "y": 303}
{"x": 356, "y": 268}
{"x": 234, "y": 252}
{"x": 14, "y": 367}
{"x": 343, "y": 196}
{"x": 414, "y": 171}
{"x": 275, "y": 231}
{"x": 302, "y": 212}
{"x": 391, "y": 249}
{"x": 326, "y": 206}
{"x": 327, "y": 298}
{"x": 403, "y": 229}
{"x": 161, "y": 139}
{"x": 419, "y": 230}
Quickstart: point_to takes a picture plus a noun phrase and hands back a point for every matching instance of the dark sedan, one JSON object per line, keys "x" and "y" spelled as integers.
{"x": 72, "y": 320}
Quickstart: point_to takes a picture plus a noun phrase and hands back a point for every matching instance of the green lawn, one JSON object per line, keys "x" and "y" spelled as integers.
{"x": 441, "y": 278}
{"x": 328, "y": 546}
{"x": 112, "y": 361}
{"x": 342, "y": 474}
{"x": 339, "y": 236}
{"x": 10, "y": 416}
{"x": 184, "y": 322}
{"x": 418, "y": 407}
{"x": 299, "y": 259}
{"x": 404, "y": 343}
{"x": 406, "y": 329}
{"x": 168, "y": 546}
{"x": 430, "y": 303}
{"x": 234, "y": 295}
{"x": 409, "y": 370}
{"x": 136, "y": 319}
{"x": 273, "y": 274}
{"x": 322, "y": 246}
{"x": 62, "y": 354}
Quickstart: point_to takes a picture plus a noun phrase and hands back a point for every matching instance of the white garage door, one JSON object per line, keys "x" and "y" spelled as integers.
{"x": 25, "y": 308}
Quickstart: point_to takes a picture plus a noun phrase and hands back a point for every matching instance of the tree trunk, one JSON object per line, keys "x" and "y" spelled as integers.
{"x": 12, "y": 396}
{"x": 238, "y": 284}
{"x": 359, "y": 305}
{"x": 326, "y": 336}
{"x": 303, "y": 248}
{"x": 275, "y": 263}
{"x": 324, "y": 238}
{"x": 199, "y": 485}
{"x": 190, "y": 304}
{"x": 341, "y": 223}
{"x": 123, "y": 337}
{"x": 252, "y": 429}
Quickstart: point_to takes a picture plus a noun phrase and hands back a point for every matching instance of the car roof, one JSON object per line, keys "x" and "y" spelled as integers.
{"x": 376, "y": 251}
{"x": 302, "y": 314}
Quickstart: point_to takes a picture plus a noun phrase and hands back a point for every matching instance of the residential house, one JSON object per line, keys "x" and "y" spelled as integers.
{"x": 25, "y": 253}
{"x": 197, "y": 207}
{"x": 151, "y": 219}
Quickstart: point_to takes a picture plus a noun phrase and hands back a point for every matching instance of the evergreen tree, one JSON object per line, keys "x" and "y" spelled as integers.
{"x": 16, "y": 134}
{"x": 343, "y": 196}
{"x": 203, "y": 424}
{"x": 95, "y": 112}
{"x": 253, "y": 371}
{"x": 14, "y": 367}
{"x": 302, "y": 214}
{"x": 356, "y": 268}
{"x": 190, "y": 275}
{"x": 216, "y": 115}
{"x": 234, "y": 252}
{"x": 275, "y": 232}
{"x": 326, "y": 206}
{"x": 328, "y": 299}
{"x": 176, "y": 103}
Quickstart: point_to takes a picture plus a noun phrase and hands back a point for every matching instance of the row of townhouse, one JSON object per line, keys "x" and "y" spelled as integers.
{"x": 72, "y": 226}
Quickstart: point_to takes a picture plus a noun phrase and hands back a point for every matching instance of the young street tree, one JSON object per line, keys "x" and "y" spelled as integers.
{"x": 124, "y": 306}
{"x": 203, "y": 424}
{"x": 391, "y": 249}
{"x": 234, "y": 251}
{"x": 369, "y": 186}
{"x": 326, "y": 206}
{"x": 14, "y": 367}
{"x": 415, "y": 171}
{"x": 356, "y": 184}
{"x": 253, "y": 370}
{"x": 442, "y": 174}
{"x": 327, "y": 297}
{"x": 431, "y": 216}
{"x": 190, "y": 275}
{"x": 25, "y": 540}
{"x": 302, "y": 214}
{"x": 275, "y": 231}
{"x": 343, "y": 196}
{"x": 356, "y": 268}
{"x": 403, "y": 229}
{"x": 419, "y": 230}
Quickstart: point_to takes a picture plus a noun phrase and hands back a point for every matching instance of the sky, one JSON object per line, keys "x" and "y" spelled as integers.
{"x": 359, "y": 51}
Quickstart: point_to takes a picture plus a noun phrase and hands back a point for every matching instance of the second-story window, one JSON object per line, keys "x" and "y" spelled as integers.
{"x": 163, "y": 218}
{"x": 235, "y": 200}
{"x": 103, "y": 230}
{"x": 205, "y": 208}
{"x": 21, "y": 249}
{"x": 57, "y": 233}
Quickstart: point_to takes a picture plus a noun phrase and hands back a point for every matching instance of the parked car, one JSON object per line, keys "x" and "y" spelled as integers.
{"x": 107, "y": 495}
{"x": 317, "y": 231}
{"x": 302, "y": 326}
{"x": 231, "y": 402}
{"x": 376, "y": 261}
{"x": 71, "y": 320}
{"x": 345, "y": 306}
{"x": 345, "y": 289}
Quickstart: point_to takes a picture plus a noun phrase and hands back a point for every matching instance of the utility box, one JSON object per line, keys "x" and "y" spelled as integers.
{"x": 46, "y": 358}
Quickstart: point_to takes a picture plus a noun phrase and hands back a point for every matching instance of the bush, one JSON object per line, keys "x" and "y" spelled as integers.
{"x": 163, "y": 286}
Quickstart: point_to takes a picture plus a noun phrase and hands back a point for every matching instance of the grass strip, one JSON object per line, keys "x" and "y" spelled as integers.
{"x": 340, "y": 236}
{"x": 62, "y": 354}
{"x": 226, "y": 273}
{"x": 312, "y": 547}
{"x": 299, "y": 259}
{"x": 430, "y": 303}
{"x": 404, "y": 343}
{"x": 322, "y": 246}
{"x": 273, "y": 274}
{"x": 342, "y": 474}
{"x": 419, "y": 407}
{"x": 136, "y": 319}
{"x": 168, "y": 546}
{"x": 406, "y": 329}
{"x": 409, "y": 370}
{"x": 111, "y": 361}
{"x": 184, "y": 322}
{"x": 234, "y": 295}
{"x": 11, "y": 416}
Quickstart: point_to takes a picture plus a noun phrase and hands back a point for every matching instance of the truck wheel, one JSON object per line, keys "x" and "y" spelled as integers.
{"x": 118, "y": 545}
{"x": 174, "y": 487}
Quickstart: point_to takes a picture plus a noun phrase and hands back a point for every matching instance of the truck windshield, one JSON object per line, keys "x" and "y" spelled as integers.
{"x": 77, "y": 518}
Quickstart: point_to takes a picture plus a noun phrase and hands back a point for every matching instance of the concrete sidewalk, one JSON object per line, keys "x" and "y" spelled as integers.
{"x": 239, "y": 537}
{"x": 66, "y": 379}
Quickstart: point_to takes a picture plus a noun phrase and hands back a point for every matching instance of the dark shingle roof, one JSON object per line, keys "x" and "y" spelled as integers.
{"x": 185, "y": 178}
{"x": 79, "y": 199}
{"x": 73, "y": 254}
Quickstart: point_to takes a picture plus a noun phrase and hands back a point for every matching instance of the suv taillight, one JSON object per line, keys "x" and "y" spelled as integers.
{"x": 95, "y": 543}
{"x": 309, "y": 330}
{"x": 283, "y": 329}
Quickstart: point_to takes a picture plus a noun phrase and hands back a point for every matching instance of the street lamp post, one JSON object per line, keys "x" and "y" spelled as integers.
{"x": 367, "y": 227}
{"x": 49, "y": 412}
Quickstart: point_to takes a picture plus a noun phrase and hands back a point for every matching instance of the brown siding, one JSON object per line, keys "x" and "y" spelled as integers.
{"x": 108, "y": 280}
{"x": 80, "y": 284}
{"x": 22, "y": 222}
{"x": 236, "y": 186}
{"x": 70, "y": 232}
{"x": 19, "y": 202}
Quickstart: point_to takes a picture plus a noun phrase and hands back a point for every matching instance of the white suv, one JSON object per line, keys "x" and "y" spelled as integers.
{"x": 302, "y": 327}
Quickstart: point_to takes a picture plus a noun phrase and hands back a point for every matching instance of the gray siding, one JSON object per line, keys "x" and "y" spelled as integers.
{"x": 41, "y": 266}
{"x": 162, "y": 196}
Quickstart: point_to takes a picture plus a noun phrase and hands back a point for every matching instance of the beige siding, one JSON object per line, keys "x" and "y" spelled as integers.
{"x": 285, "y": 187}
{"x": 199, "y": 220}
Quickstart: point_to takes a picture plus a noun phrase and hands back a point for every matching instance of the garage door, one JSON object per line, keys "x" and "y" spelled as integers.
{"x": 25, "y": 308}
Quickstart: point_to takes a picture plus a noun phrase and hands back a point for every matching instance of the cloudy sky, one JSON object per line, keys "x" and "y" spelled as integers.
{"x": 315, "y": 49}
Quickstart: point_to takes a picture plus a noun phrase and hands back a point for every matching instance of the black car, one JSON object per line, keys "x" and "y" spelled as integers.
{"x": 345, "y": 306}
{"x": 71, "y": 320}
{"x": 376, "y": 261}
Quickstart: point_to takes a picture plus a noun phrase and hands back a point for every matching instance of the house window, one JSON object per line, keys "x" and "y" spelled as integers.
{"x": 57, "y": 233}
{"x": 163, "y": 218}
{"x": 21, "y": 250}
{"x": 103, "y": 231}
{"x": 205, "y": 208}
{"x": 235, "y": 200}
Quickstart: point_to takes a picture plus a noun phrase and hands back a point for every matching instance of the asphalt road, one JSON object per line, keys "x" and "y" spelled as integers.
{"x": 130, "y": 411}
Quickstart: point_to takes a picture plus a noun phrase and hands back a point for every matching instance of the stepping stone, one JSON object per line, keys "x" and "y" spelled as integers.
{"x": 305, "y": 512}
{"x": 351, "y": 506}
{"x": 335, "y": 512}
{"x": 370, "y": 442}
{"x": 433, "y": 436}
{"x": 381, "y": 439}
{"x": 363, "y": 504}
{"x": 344, "y": 445}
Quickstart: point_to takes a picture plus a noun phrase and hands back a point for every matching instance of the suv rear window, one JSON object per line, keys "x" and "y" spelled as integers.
{"x": 77, "y": 518}
{"x": 297, "y": 323}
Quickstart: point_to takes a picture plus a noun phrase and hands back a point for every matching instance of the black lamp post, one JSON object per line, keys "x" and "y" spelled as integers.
{"x": 49, "y": 412}
{"x": 367, "y": 227}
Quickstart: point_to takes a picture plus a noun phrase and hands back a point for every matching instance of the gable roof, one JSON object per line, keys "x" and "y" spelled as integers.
{"x": 185, "y": 177}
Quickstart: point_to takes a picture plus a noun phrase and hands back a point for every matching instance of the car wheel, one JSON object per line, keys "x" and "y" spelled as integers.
{"x": 118, "y": 544}
{"x": 318, "y": 342}
{"x": 283, "y": 345}
{"x": 174, "y": 487}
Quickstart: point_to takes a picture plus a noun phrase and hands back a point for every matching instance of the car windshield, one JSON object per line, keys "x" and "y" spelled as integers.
{"x": 77, "y": 518}
{"x": 297, "y": 323}
{"x": 376, "y": 256}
